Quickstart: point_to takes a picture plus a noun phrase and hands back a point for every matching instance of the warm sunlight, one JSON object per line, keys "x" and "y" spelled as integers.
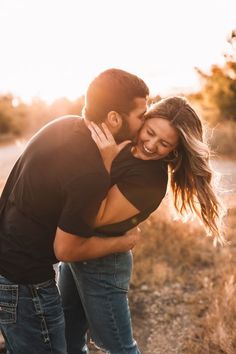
{"x": 107, "y": 196}
{"x": 51, "y": 49}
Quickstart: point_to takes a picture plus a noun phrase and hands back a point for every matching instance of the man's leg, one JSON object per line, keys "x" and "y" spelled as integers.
{"x": 75, "y": 319}
{"x": 103, "y": 286}
{"x": 31, "y": 318}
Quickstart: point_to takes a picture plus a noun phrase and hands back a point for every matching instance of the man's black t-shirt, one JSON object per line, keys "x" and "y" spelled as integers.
{"x": 59, "y": 180}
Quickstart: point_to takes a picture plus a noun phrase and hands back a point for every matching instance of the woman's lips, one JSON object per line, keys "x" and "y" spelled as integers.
{"x": 149, "y": 152}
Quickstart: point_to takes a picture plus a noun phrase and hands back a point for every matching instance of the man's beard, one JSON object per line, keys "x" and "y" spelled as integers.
{"x": 125, "y": 133}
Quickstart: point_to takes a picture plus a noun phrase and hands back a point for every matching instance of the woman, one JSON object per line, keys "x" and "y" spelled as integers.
{"x": 172, "y": 137}
{"x": 172, "y": 132}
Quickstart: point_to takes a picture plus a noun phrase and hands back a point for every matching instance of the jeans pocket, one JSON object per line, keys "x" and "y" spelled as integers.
{"x": 123, "y": 270}
{"x": 8, "y": 303}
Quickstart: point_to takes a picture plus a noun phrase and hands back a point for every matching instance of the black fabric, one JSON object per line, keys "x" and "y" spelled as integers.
{"x": 143, "y": 183}
{"x": 60, "y": 181}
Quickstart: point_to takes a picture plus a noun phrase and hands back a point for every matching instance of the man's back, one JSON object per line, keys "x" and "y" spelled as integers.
{"x": 60, "y": 181}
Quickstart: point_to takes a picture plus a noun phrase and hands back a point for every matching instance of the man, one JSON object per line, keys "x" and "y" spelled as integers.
{"x": 94, "y": 293}
{"x": 52, "y": 193}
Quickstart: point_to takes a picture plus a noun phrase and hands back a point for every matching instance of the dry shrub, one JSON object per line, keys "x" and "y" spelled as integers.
{"x": 219, "y": 323}
{"x": 173, "y": 251}
{"x": 170, "y": 249}
{"x": 219, "y": 326}
{"x": 223, "y": 139}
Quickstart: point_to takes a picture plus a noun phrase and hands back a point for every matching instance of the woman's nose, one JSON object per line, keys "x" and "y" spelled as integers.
{"x": 152, "y": 145}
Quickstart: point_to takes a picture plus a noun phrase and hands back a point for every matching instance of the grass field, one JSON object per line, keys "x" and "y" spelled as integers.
{"x": 179, "y": 261}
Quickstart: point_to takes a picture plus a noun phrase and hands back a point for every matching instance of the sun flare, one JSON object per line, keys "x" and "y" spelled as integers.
{"x": 53, "y": 49}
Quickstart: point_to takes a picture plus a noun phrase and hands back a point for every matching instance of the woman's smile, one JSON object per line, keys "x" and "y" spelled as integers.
{"x": 156, "y": 139}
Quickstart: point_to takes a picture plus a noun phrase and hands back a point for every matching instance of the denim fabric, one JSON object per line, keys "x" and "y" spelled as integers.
{"x": 75, "y": 318}
{"x": 31, "y": 318}
{"x": 102, "y": 285}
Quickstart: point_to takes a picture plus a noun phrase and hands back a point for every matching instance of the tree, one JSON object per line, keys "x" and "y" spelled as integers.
{"x": 218, "y": 92}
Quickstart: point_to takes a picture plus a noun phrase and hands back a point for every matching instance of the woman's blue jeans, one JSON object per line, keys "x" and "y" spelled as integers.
{"x": 94, "y": 297}
{"x": 31, "y": 318}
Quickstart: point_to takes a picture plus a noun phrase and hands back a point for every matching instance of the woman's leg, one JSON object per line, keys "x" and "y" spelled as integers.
{"x": 75, "y": 319}
{"x": 103, "y": 286}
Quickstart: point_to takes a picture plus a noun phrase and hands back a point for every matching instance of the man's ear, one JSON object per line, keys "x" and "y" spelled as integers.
{"x": 113, "y": 121}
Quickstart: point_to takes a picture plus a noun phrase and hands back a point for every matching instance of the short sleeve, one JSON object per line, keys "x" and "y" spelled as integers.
{"x": 145, "y": 186}
{"x": 82, "y": 199}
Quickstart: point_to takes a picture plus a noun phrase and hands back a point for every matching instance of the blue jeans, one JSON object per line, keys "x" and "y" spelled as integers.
{"x": 31, "y": 318}
{"x": 94, "y": 297}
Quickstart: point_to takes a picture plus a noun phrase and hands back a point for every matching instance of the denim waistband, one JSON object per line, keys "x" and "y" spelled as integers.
{"x": 43, "y": 284}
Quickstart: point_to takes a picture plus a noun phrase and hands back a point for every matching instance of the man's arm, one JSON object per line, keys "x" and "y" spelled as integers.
{"x": 71, "y": 248}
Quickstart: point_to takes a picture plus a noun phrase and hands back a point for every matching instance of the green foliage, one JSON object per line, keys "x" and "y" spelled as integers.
{"x": 218, "y": 92}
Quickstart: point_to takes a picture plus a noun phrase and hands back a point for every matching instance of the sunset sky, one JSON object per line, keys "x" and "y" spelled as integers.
{"x": 53, "y": 48}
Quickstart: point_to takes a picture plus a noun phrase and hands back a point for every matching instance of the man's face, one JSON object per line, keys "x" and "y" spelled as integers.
{"x": 133, "y": 121}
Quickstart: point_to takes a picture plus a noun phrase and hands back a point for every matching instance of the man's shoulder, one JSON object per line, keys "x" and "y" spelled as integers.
{"x": 68, "y": 118}
{"x": 60, "y": 131}
{"x": 66, "y": 123}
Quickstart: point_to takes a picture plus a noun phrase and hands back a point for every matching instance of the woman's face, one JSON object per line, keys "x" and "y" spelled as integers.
{"x": 156, "y": 139}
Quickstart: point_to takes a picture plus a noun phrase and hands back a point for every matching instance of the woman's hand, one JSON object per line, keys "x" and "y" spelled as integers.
{"x": 105, "y": 143}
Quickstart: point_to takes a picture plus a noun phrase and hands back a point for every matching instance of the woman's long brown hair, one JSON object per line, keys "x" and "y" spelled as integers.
{"x": 190, "y": 171}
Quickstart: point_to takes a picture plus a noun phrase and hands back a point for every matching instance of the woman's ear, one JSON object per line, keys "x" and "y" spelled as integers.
{"x": 113, "y": 121}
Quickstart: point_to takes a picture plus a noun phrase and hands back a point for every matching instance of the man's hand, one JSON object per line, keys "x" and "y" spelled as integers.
{"x": 133, "y": 237}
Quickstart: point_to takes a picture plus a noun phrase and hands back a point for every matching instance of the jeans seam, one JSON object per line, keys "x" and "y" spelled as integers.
{"x": 119, "y": 283}
{"x": 112, "y": 316}
{"x": 39, "y": 313}
{"x": 93, "y": 340}
{"x": 114, "y": 320}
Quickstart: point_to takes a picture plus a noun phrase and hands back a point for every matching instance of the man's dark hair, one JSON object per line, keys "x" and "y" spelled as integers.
{"x": 113, "y": 90}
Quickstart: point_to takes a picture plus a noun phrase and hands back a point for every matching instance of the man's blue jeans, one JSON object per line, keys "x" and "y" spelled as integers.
{"x": 94, "y": 296}
{"x": 31, "y": 318}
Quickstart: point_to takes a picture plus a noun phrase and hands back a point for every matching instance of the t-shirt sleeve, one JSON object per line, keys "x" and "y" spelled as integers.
{"x": 144, "y": 186}
{"x": 82, "y": 199}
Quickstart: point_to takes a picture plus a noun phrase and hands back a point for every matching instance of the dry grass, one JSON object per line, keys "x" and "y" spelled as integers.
{"x": 170, "y": 249}
{"x": 222, "y": 139}
{"x": 177, "y": 252}
{"x": 219, "y": 322}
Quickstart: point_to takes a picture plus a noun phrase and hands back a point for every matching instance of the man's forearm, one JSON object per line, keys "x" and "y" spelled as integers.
{"x": 70, "y": 248}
